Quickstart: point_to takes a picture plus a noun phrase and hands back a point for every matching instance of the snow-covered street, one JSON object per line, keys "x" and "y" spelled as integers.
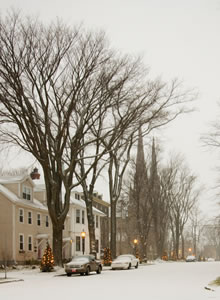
{"x": 159, "y": 281}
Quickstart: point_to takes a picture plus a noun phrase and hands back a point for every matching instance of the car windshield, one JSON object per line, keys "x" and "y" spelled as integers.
{"x": 124, "y": 255}
{"x": 123, "y": 258}
{"x": 80, "y": 259}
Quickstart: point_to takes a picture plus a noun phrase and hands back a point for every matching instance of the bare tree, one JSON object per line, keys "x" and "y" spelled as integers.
{"x": 164, "y": 204}
{"x": 184, "y": 197}
{"x": 55, "y": 84}
{"x": 211, "y": 233}
{"x": 88, "y": 185}
{"x": 197, "y": 228}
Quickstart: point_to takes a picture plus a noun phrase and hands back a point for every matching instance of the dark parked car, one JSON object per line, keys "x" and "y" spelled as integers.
{"x": 83, "y": 264}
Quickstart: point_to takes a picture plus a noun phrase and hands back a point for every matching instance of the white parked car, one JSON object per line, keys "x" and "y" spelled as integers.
{"x": 125, "y": 261}
{"x": 190, "y": 258}
{"x": 210, "y": 259}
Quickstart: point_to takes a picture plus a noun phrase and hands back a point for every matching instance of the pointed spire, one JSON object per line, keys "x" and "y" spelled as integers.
{"x": 154, "y": 156}
{"x": 140, "y": 161}
{"x": 153, "y": 169}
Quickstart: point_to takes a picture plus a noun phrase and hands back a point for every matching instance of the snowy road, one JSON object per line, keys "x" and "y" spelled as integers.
{"x": 162, "y": 281}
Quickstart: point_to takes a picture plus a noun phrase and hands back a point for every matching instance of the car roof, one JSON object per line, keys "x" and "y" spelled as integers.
{"x": 84, "y": 256}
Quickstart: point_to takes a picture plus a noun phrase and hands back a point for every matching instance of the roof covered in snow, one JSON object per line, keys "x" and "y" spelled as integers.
{"x": 80, "y": 202}
{"x": 15, "y": 199}
{"x": 15, "y": 179}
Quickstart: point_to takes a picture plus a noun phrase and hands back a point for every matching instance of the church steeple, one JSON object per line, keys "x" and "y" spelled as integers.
{"x": 153, "y": 160}
{"x": 154, "y": 178}
{"x": 140, "y": 161}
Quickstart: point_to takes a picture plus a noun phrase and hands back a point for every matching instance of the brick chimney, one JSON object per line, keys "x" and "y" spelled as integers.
{"x": 35, "y": 174}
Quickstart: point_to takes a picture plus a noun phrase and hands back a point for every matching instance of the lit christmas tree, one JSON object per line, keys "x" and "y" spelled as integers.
{"x": 47, "y": 261}
{"x": 107, "y": 257}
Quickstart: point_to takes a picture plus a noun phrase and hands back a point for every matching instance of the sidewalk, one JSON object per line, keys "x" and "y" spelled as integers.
{"x": 24, "y": 273}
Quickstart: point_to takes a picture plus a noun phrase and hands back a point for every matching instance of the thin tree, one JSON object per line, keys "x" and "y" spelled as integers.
{"x": 184, "y": 197}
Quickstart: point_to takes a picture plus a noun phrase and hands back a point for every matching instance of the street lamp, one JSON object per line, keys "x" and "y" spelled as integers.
{"x": 83, "y": 236}
{"x": 135, "y": 246}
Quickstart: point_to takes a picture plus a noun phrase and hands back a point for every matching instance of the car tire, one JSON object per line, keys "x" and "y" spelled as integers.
{"x": 113, "y": 269}
{"x": 82, "y": 274}
{"x": 136, "y": 266}
{"x": 99, "y": 270}
{"x": 87, "y": 271}
{"x": 68, "y": 274}
{"x": 129, "y": 266}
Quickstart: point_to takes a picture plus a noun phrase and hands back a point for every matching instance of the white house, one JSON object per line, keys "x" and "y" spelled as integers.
{"x": 74, "y": 243}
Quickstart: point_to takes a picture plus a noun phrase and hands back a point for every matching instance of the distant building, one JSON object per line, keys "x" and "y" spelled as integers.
{"x": 103, "y": 206}
{"x": 73, "y": 242}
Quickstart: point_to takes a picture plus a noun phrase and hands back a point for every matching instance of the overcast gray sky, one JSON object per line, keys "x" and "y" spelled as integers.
{"x": 177, "y": 39}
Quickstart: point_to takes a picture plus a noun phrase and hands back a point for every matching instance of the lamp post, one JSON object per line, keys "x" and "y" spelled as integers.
{"x": 135, "y": 246}
{"x": 83, "y": 236}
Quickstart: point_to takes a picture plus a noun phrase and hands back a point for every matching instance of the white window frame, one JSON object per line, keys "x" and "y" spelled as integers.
{"x": 30, "y": 217}
{"x": 21, "y": 215}
{"x": 38, "y": 219}
{"x": 30, "y": 243}
{"x": 26, "y": 193}
{"x": 78, "y": 243}
{"x": 21, "y": 242}
{"x": 77, "y": 216}
{"x": 83, "y": 216}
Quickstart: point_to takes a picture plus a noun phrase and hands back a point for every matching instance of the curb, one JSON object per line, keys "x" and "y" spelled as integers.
{"x": 9, "y": 280}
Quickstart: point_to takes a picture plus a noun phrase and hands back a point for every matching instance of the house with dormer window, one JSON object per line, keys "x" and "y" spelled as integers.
{"x": 25, "y": 225}
{"x": 23, "y": 230}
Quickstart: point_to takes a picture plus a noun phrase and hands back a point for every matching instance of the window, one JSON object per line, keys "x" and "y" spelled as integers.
{"x": 47, "y": 221}
{"x": 29, "y": 217}
{"x": 21, "y": 215}
{"x": 29, "y": 243}
{"x": 83, "y": 217}
{"x": 77, "y": 196}
{"x": 26, "y": 193}
{"x": 97, "y": 245}
{"x": 78, "y": 216}
{"x": 21, "y": 242}
{"x": 97, "y": 222}
{"x": 77, "y": 243}
{"x": 38, "y": 219}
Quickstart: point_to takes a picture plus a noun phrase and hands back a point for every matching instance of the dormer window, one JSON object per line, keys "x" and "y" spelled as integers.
{"x": 26, "y": 193}
{"x": 77, "y": 196}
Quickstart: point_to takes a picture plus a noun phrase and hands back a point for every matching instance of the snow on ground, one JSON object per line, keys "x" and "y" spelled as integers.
{"x": 158, "y": 281}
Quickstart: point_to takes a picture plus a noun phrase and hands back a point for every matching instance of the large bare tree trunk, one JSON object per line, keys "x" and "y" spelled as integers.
{"x": 58, "y": 242}
{"x": 91, "y": 227}
{"x": 113, "y": 228}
